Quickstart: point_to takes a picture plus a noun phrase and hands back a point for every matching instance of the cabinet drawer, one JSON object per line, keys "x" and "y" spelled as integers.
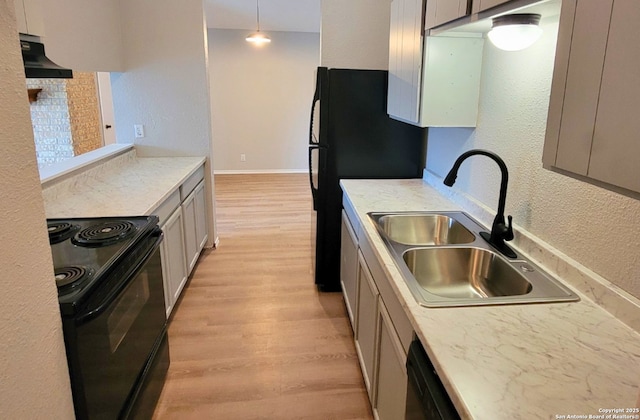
{"x": 351, "y": 216}
{"x": 191, "y": 182}
{"x": 165, "y": 209}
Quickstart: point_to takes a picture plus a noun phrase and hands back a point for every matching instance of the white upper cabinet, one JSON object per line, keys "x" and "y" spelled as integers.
{"x": 443, "y": 11}
{"x": 433, "y": 82}
{"x": 85, "y": 35}
{"x": 595, "y": 88}
{"x": 405, "y": 59}
{"x": 29, "y": 17}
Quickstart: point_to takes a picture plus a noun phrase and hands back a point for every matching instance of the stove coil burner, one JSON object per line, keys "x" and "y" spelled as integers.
{"x": 60, "y": 231}
{"x": 68, "y": 276}
{"x": 103, "y": 234}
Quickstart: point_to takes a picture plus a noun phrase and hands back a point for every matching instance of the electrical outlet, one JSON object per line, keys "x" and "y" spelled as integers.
{"x": 139, "y": 130}
{"x": 243, "y": 157}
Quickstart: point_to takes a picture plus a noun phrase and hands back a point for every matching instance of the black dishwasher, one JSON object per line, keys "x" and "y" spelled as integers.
{"x": 426, "y": 396}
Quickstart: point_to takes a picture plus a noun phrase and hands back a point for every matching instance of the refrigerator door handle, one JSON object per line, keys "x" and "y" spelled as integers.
{"x": 314, "y": 188}
{"x": 312, "y": 139}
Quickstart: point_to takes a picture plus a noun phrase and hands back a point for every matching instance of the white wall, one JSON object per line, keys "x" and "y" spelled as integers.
{"x": 355, "y": 34}
{"x": 597, "y": 228}
{"x": 34, "y": 380}
{"x": 261, "y": 100}
{"x": 165, "y": 86}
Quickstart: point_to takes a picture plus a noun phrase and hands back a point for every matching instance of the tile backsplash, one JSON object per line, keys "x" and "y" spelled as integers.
{"x": 51, "y": 122}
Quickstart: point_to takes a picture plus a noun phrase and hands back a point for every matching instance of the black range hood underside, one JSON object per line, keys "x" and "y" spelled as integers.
{"x": 37, "y": 65}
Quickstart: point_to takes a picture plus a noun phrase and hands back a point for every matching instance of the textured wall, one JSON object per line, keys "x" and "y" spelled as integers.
{"x": 51, "y": 122}
{"x": 261, "y": 98}
{"x": 84, "y": 112}
{"x": 166, "y": 85}
{"x": 34, "y": 380}
{"x": 355, "y": 34}
{"x": 597, "y": 228}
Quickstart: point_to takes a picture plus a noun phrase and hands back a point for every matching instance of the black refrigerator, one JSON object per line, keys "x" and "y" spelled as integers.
{"x": 352, "y": 137}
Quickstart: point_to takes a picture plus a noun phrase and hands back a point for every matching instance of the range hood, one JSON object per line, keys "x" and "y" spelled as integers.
{"x": 37, "y": 65}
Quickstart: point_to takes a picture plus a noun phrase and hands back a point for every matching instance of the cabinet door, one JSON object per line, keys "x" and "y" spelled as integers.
{"x": 34, "y": 17}
{"x": 202, "y": 227}
{"x": 190, "y": 238}
{"x": 615, "y": 149}
{"x": 349, "y": 269}
{"x": 480, "y": 5}
{"x": 367, "y": 310}
{"x": 166, "y": 275}
{"x": 594, "y": 87}
{"x": 173, "y": 258}
{"x": 29, "y": 17}
{"x": 391, "y": 378}
{"x": 21, "y": 19}
{"x": 443, "y": 11}
{"x": 405, "y": 59}
{"x": 575, "y": 87}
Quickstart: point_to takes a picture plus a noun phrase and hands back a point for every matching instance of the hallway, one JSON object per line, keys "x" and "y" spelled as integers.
{"x": 251, "y": 337}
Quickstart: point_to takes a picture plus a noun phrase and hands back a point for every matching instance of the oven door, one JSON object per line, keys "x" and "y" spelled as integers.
{"x": 112, "y": 338}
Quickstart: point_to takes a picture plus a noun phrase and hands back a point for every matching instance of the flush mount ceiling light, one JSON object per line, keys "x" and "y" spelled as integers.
{"x": 257, "y": 37}
{"x": 515, "y": 32}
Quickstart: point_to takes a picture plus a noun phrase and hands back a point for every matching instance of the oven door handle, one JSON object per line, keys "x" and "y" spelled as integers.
{"x": 116, "y": 291}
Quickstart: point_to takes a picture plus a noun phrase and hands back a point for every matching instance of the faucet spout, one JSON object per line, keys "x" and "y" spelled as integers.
{"x": 500, "y": 231}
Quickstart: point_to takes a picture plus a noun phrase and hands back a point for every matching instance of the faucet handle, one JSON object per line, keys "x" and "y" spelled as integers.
{"x": 508, "y": 233}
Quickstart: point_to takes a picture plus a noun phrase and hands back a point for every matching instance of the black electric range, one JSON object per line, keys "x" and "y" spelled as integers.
{"x": 86, "y": 251}
{"x": 111, "y": 293}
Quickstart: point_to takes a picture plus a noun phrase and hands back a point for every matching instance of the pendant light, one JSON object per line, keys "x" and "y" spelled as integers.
{"x": 515, "y": 32}
{"x": 257, "y": 37}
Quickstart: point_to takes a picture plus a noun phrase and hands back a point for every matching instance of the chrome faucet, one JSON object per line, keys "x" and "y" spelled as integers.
{"x": 500, "y": 232}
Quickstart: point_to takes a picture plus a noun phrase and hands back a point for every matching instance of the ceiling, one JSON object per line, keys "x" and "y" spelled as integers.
{"x": 275, "y": 15}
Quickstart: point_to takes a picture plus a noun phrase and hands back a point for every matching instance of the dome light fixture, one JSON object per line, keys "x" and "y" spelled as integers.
{"x": 258, "y": 37}
{"x": 515, "y": 32}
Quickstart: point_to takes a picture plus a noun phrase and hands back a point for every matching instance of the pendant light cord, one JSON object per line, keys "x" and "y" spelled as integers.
{"x": 258, "y": 13}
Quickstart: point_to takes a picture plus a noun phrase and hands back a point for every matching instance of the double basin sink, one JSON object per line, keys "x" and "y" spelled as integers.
{"x": 445, "y": 262}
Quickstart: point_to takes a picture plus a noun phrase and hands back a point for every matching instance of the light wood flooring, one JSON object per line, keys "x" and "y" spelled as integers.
{"x": 252, "y": 338}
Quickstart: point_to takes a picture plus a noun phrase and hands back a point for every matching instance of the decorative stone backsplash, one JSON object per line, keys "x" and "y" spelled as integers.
{"x": 84, "y": 113}
{"x": 65, "y": 118}
{"x": 51, "y": 122}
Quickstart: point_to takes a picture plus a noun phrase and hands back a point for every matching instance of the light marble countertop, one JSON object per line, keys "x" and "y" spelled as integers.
{"x": 123, "y": 186}
{"x": 534, "y": 361}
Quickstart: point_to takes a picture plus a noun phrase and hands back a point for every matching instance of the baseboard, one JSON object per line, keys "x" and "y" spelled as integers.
{"x": 258, "y": 171}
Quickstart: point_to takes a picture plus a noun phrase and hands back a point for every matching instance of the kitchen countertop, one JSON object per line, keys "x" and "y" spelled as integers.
{"x": 124, "y": 186}
{"x": 532, "y": 361}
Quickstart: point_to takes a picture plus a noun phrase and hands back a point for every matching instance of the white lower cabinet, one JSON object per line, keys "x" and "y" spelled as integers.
{"x": 365, "y": 337}
{"x": 202, "y": 228}
{"x": 189, "y": 221}
{"x": 172, "y": 254}
{"x": 184, "y": 223}
{"x": 391, "y": 375}
{"x": 383, "y": 332}
{"x": 349, "y": 269}
{"x": 195, "y": 225}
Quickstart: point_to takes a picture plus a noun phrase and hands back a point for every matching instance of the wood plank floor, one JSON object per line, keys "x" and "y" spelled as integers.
{"x": 252, "y": 338}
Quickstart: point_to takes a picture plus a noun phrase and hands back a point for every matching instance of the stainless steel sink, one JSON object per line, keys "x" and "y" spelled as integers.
{"x": 465, "y": 273}
{"x": 445, "y": 263}
{"x": 424, "y": 229}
